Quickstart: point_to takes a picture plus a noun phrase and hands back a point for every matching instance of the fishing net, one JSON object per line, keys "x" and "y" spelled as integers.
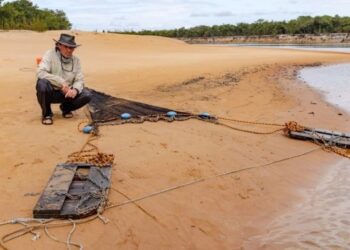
{"x": 106, "y": 109}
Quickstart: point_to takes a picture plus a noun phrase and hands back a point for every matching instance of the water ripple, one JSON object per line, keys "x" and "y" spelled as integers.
{"x": 322, "y": 222}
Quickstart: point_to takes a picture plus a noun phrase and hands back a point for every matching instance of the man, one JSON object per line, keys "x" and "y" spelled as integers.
{"x": 60, "y": 80}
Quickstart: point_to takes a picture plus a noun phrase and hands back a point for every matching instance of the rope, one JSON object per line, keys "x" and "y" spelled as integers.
{"x": 206, "y": 179}
{"x": 68, "y": 242}
{"x": 211, "y": 119}
{"x": 100, "y": 159}
{"x": 251, "y": 122}
{"x": 329, "y": 146}
{"x": 42, "y": 224}
{"x": 286, "y": 128}
{"x": 84, "y": 122}
{"x": 250, "y": 131}
{"x": 293, "y": 126}
{"x": 45, "y": 224}
{"x": 137, "y": 205}
{"x": 144, "y": 118}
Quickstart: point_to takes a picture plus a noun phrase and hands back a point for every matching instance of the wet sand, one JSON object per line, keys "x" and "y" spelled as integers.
{"x": 220, "y": 213}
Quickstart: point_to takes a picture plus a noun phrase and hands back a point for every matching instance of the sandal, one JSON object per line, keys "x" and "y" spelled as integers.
{"x": 67, "y": 115}
{"x": 47, "y": 120}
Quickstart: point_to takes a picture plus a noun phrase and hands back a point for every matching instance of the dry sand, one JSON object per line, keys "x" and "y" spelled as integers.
{"x": 221, "y": 213}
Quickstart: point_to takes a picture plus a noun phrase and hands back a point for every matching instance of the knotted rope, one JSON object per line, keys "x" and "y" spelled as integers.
{"x": 329, "y": 146}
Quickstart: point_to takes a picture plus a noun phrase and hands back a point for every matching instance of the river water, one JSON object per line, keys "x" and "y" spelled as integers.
{"x": 323, "y": 220}
{"x": 333, "y": 81}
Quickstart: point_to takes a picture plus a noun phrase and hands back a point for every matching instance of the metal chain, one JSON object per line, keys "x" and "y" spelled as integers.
{"x": 98, "y": 159}
{"x": 88, "y": 157}
{"x": 294, "y": 126}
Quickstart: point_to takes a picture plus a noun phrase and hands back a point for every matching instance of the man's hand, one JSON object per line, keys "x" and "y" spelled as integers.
{"x": 71, "y": 93}
{"x": 65, "y": 88}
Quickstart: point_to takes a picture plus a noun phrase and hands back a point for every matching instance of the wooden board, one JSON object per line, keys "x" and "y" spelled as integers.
{"x": 98, "y": 179}
{"x": 334, "y": 138}
{"x": 52, "y": 199}
{"x": 74, "y": 191}
{"x": 324, "y": 131}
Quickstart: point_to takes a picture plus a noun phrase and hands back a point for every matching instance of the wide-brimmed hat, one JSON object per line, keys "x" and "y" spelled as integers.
{"x": 67, "y": 40}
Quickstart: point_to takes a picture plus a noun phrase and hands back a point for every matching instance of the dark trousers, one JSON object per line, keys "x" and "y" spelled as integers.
{"x": 46, "y": 95}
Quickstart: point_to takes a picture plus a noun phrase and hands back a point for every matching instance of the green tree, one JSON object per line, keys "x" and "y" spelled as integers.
{"x": 23, "y": 14}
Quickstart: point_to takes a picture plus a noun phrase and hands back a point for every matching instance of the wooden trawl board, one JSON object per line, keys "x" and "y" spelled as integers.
{"x": 68, "y": 185}
{"x": 97, "y": 180}
{"x": 335, "y": 138}
{"x": 52, "y": 199}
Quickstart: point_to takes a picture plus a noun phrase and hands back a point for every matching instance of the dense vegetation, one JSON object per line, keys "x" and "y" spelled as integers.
{"x": 22, "y": 14}
{"x": 301, "y": 25}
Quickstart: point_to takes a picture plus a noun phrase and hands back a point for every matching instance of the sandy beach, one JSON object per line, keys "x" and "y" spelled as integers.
{"x": 254, "y": 84}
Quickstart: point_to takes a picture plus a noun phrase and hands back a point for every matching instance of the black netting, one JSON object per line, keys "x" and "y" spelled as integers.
{"x": 106, "y": 108}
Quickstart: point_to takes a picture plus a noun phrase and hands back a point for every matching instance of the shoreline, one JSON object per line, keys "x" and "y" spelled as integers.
{"x": 318, "y": 80}
{"x": 243, "y": 83}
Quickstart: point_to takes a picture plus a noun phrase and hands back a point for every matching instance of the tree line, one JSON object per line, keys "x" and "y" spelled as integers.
{"x": 301, "y": 25}
{"x": 22, "y": 14}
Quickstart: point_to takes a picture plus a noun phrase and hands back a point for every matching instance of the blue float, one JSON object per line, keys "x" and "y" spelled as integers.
{"x": 171, "y": 114}
{"x": 125, "y": 116}
{"x": 88, "y": 129}
{"x": 205, "y": 115}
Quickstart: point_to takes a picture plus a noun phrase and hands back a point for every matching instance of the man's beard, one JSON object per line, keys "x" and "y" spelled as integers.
{"x": 65, "y": 60}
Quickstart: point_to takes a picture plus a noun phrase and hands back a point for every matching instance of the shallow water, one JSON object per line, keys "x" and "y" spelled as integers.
{"x": 322, "y": 222}
{"x": 333, "y": 82}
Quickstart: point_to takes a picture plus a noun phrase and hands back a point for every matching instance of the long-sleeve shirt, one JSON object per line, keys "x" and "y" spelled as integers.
{"x": 53, "y": 69}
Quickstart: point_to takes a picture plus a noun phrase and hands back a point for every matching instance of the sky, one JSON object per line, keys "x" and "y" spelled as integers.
{"x": 138, "y": 15}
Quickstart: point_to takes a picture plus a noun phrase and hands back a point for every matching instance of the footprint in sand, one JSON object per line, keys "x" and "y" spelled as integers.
{"x": 194, "y": 172}
{"x": 37, "y": 161}
{"x": 205, "y": 227}
{"x": 135, "y": 175}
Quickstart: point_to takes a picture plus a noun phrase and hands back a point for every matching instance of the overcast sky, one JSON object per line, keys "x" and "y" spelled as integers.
{"x": 167, "y": 14}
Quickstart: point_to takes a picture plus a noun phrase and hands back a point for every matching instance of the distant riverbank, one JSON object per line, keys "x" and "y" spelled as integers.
{"x": 344, "y": 47}
{"x": 334, "y": 38}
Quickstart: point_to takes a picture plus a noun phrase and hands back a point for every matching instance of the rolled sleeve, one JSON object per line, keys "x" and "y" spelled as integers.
{"x": 44, "y": 71}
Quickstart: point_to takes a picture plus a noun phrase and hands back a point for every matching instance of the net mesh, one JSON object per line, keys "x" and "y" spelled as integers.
{"x": 105, "y": 108}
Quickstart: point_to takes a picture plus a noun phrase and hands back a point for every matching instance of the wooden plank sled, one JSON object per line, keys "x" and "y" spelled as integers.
{"x": 74, "y": 191}
{"x": 334, "y": 138}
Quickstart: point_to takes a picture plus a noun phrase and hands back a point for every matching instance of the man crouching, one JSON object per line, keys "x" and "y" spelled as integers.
{"x": 60, "y": 80}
